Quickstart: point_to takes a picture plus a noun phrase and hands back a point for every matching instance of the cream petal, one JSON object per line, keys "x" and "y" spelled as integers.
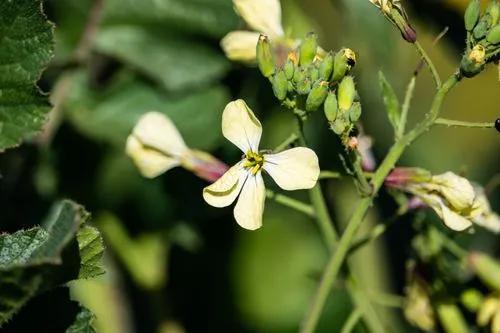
{"x": 223, "y": 192}
{"x": 293, "y": 169}
{"x": 240, "y": 45}
{"x": 450, "y": 218}
{"x": 458, "y": 191}
{"x": 250, "y": 206}
{"x": 155, "y": 130}
{"x": 261, "y": 15}
{"x": 150, "y": 162}
{"x": 241, "y": 127}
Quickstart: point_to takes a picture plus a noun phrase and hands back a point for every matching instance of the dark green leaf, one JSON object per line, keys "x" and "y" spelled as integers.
{"x": 83, "y": 322}
{"x": 176, "y": 63}
{"x": 390, "y": 100}
{"x": 26, "y": 46}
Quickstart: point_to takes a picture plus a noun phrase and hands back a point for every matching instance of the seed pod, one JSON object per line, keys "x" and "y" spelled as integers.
{"x": 280, "y": 85}
{"x": 317, "y": 96}
{"x": 472, "y": 14}
{"x": 494, "y": 11}
{"x": 265, "y": 57}
{"x": 494, "y": 35}
{"x": 308, "y": 49}
{"x": 355, "y": 112}
{"x": 482, "y": 27}
{"x": 486, "y": 268}
{"x": 326, "y": 67}
{"x": 344, "y": 60}
{"x": 304, "y": 87}
{"x": 289, "y": 69}
{"x": 331, "y": 106}
{"x": 346, "y": 93}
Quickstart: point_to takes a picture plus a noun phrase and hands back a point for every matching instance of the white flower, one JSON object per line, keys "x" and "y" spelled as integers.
{"x": 292, "y": 169}
{"x": 264, "y": 17}
{"x": 156, "y": 146}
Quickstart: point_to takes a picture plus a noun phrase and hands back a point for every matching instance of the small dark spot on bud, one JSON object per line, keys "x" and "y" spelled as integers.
{"x": 497, "y": 125}
{"x": 351, "y": 62}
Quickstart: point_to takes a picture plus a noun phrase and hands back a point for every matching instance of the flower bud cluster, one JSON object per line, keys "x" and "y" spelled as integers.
{"x": 483, "y": 37}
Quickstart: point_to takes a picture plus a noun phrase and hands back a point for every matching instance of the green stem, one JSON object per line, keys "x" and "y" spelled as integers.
{"x": 406, "y": 107}
{"x": 351, "y": 321}
{"x": 428, "y": 61}
{"x": 291, "y": 203}
{"x": 288, "y": 141}
{"x": 363, "y": 302}
{"x": 375, "y": 233}
{"x": 458, "y": 123}
{"x": 329, "y": 175}
{"x": 337, "y": 258}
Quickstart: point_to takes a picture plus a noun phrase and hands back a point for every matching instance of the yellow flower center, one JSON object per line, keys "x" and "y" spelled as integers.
{"x": 253, "y": 162}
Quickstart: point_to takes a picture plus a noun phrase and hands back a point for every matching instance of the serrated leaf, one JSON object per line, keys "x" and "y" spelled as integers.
{"x": 210, "y": 17}
{"x": 391, "y": 101}
{"x": 176, "y": 63}
{"x": 91, "y": 251}
{"x": 93, "y": 113}
{"x": 26, "y": 47}
{"x": 83, "y": 322}
{"x": 40, "y": 258}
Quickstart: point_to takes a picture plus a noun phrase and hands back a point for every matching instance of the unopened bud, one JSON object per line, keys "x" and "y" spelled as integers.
{"x": 346, "y": 93}
{"x": 494, "y": 11}
{"x": 400, "y": 18}
{"x": 339, "y": 126}
{"x": 280, "y": 85}
{"x": 317, "y": 96}
{"x": 451, "y": 318}
{"x": 344, "y": 60}
{"x": 355, "y": 112}
{"x": 331, "y": 106}
{"x": 265, "y": 57}
{"x": 482, "y": 27}
{"x": 486, "y": 268}
{"x": 308, "y": 49}
{"x": 326, "y": 67}
{"x": 471, "y": 15}
{"x": 494, "y": 35}
{"x": 472, "y": 299}
{"x": 304, "y": 86}
{"x": 313, "y": 73}
{"x": 289, "y": 69}
{"x": 474, "y": 62}
{"x": 204, "y": 165}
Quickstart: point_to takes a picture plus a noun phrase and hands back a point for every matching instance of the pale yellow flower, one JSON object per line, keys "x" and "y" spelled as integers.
{"x": 292, "y": 169}
{"x": 384, "y": 5}
{"x": 263, "y": 17}
{"x": 490, "y": 313}
{"x": 156, "y": 146}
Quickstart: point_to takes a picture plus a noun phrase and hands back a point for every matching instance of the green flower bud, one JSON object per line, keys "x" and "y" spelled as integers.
{"x": 355, "y": 112}
{"x": 344, "y": 60}
{"x": 289, "y": 69}
{"x": 339, "y": 126}
{"x": 304, "y": 86}
{"x": 308, "y": 49}
{"x": 280, "y": 85}
{"x": 494, "y": 11}
{"x": 317, "y": 96}
{"x": 474, "y": 62}
{"x": 346, "y": 93}
{"x": 291, "y": 87}
{"x": 486, "y": 268}
{"x": 265, "y": 57}
{"x": 313, "y": 73}
{"x": 451, "y": 318}
{"x": 331, "y": 106}
{"x": 482, "y": 27}
{"x": 299, "y": 75}
{"x": 326, "y": 67}
{"x": 494, "y": 35}
{"x": 472, "y": 14}
{"x": 472, "y": 299}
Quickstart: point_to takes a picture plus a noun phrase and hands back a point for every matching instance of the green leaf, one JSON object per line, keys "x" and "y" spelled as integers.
{"x": 83, "y": 322}
{"x": 176, "y": 63}
{"x": 26, "y": 46}
{"x": 43, "y": 257}
{"x": 390, "y": 100}
{"x": 91, "y": 248}
{"x": 94, "y": 113}
{"x": 210, "y": 17}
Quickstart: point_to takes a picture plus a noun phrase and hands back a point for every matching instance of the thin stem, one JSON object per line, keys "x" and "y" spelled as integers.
{"x": 291, "y": 203}
{"x": 351, "y": 321}
{"x": 375, "y": 233}
{"x": 458, "y": 123}
{"x": 430, "y": 64}
{"x": 337, "y": 258}
{"x": 370, "y": 316}
{"x": 285, "y": 144}
{"x": 329, "y": 175}
{"x": 387, "y": 300}
{"x": 406, "y": 107}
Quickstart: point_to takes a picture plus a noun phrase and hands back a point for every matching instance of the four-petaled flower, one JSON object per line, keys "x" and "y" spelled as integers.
{"x": 292, "y": 169}
{"x": 156, "y": 146}
{"x": 264, "y": 17}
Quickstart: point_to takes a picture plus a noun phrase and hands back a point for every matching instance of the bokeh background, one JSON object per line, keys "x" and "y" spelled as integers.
{"x": 174, "y": 264}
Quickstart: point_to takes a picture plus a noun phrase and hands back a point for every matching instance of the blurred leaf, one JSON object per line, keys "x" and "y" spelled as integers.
{"x": 390, "y": 100}
{"x": 32, "y": 260}
{"x": 212, "y": 17}
{"x": 26, "y": 46}
{"x": 83, "y": 322}
{"x": 94, "y": 113}
{"x": 176, "y": 63}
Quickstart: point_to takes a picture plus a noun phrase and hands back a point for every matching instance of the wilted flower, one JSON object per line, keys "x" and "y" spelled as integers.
{"x": 292, "y": 169}
{"x": 394, "y": 12}
{"x": 417, "y": 307}
{"x": 263, "y": 17}
{"x": 156, "y": 146}
{"x": 452, "y": 197}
